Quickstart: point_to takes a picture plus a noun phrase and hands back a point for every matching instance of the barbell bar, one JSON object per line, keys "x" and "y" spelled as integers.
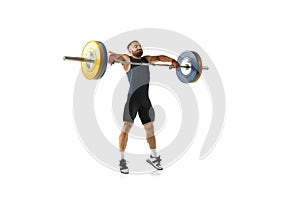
{"x": 94, "y": 61}
{"x": 81, "y": 59}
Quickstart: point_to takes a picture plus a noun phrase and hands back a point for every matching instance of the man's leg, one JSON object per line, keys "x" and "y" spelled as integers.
{"x": 149, "y": 128}
{"x": 154, "y": 159}
{"x": 123, "y": 138}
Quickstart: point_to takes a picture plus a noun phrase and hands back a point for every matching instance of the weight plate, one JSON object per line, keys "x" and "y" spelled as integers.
{"x": 104, "y": 60}
{"x": 92, "y": 70}
{"x": 195, "y": 63}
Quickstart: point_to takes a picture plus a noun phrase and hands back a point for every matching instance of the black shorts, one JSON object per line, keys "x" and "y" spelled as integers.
{"x": 139, "y": 103}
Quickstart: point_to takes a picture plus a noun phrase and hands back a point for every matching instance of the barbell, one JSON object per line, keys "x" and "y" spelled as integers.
{"x": 94, "y": 62}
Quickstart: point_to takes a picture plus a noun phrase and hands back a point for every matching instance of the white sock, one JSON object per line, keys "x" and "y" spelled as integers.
{"x": 122, "y": 154}
{"x": 153, "y": 152}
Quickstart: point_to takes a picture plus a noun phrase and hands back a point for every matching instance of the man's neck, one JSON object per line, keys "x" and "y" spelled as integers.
{"x": 135, "y": 57}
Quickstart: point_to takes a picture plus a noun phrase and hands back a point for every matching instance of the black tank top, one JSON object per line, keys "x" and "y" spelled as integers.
{"x": 138, "y": 77}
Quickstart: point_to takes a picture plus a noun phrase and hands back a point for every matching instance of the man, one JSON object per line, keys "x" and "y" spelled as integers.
{"x": 138, "y": 100}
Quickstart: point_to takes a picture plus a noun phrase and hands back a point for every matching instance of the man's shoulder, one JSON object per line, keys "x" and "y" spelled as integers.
{"x": 146, "y": 58}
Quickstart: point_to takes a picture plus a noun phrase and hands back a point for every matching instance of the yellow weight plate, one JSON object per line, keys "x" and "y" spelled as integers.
{"x": 92, "y": 50}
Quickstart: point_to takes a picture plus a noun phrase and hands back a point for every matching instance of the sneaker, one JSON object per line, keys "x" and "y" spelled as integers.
{"x": 123, "y": 167}
{"x": 155, "y": 162}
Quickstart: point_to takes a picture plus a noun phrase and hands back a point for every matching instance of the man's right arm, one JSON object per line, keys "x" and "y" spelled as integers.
{"x": 122, "y": 57}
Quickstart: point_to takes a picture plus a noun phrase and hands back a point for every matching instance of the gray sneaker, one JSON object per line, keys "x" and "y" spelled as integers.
{"x": 155, "y": 162}
{"x": 123, "y": 167}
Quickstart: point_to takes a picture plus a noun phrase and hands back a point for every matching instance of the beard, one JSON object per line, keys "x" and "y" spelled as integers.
{"x": 138, "y": 53}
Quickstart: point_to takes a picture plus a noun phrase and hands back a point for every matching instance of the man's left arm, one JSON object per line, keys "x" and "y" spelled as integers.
{"x": 162, "y": 58}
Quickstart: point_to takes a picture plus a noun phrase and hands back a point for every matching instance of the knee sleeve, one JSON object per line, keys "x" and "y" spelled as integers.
{"x": 126, "y": 127}
{"x": 149, "y": 128}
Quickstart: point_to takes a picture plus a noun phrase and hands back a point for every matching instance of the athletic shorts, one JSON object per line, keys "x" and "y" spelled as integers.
{"x": 141, "y": 104}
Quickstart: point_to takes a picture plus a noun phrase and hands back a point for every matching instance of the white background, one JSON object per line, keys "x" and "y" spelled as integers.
{"x": 255, "y": 47}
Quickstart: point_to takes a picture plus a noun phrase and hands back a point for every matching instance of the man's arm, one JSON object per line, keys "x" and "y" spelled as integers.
{"x": 162, "y": 58}
{"x": 122, "y": 57}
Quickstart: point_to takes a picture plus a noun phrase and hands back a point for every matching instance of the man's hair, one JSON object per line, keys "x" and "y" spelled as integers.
{"x": 131, "y": 43}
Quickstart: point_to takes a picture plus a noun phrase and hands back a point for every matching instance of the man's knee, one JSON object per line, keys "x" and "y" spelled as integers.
{"x": 149, "y": 128}
{"x": 126, "y": 127}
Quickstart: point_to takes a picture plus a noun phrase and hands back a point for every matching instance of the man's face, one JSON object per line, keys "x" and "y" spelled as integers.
{"x": 136, "y": 49}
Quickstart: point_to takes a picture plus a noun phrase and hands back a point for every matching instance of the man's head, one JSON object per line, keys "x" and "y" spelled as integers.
{"x": 135, "y": 48}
